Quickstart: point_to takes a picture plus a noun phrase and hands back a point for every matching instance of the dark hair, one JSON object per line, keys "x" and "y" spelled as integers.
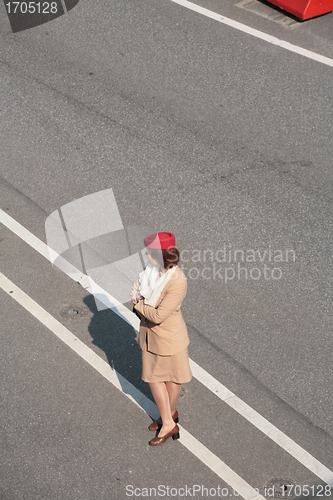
{"x": 170, "y": 256}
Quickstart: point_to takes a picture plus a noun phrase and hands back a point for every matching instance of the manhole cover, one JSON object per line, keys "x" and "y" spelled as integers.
{"x": 278, "y": 488}
{"x": 73, "y": 312}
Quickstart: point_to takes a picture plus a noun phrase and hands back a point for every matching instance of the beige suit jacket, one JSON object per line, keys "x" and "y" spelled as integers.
{"x": 163, "y": 326}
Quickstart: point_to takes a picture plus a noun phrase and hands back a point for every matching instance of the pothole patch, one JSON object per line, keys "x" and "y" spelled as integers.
{"x": 73, "y": 312}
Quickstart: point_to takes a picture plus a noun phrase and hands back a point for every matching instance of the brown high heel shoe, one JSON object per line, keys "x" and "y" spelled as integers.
{"x": 158, "y": 423}
{"x": 174, "y": 433}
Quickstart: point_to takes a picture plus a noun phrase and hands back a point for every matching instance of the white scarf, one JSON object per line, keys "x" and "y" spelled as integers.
{"x": 152, "y": 283}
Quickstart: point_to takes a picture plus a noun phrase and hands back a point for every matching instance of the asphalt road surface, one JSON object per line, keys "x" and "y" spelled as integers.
{"x": 210, "y": 131}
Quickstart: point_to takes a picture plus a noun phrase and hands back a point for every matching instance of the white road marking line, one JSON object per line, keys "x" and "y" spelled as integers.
{"x": 190, "y": 442}
{"x": 262, "y": 424}
{"x": 199, "y": 373}
{"x": 77, "y": 345}
{"x": 71, "y": 271}
{"x": 258, "y": 34}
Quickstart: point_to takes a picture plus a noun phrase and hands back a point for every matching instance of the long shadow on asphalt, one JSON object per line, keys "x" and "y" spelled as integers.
{"x": 117, "y": 339}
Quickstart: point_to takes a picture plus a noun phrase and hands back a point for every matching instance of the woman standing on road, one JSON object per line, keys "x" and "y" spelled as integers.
{"x": 163, "y": 338}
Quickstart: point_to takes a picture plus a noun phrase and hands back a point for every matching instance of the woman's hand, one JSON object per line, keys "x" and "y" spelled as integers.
{"x": 135, "y": 294}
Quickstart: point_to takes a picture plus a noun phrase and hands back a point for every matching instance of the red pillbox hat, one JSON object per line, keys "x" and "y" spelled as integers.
{"x": 161, "y": 240}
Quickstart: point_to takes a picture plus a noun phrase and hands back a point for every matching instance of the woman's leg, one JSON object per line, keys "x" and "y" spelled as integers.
{"x": 174, "y": 391}
{"x": 161, "y": 396}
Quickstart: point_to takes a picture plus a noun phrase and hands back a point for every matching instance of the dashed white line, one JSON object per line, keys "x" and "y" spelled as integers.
{"x": 253, "y": 32}
{"x": 222, "y": 392}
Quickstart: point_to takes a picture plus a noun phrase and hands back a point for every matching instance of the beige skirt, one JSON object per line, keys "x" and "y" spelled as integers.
{"x": 174, "y": 368}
